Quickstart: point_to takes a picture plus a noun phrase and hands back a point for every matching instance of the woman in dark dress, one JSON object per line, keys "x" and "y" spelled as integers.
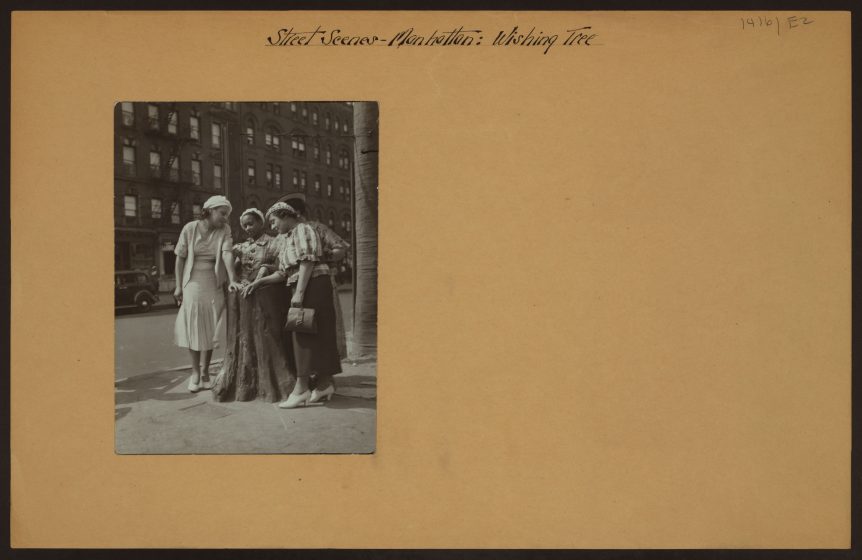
{"x": 309, "y": 286}
{"x": 255, "y": 363}
{"x": 334, "y": 250}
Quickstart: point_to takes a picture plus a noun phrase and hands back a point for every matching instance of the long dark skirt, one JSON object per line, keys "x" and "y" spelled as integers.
{"x": 315, "y": 354}
{"x": 255, "y": 363}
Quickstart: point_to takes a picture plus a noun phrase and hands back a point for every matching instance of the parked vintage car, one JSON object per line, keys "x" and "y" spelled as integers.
{"x": 134, "y": 289}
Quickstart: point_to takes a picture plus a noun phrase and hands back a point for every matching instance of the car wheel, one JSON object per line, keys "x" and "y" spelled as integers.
{"x": 145, "y": 304}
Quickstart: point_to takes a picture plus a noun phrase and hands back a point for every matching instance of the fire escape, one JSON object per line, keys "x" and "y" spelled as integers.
{"x": 166, "y": 172}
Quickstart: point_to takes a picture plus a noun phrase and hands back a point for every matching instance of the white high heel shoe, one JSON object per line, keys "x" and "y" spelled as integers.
{"x": 193, "y": 387}
{"x": 295, "y": 400}
{"x": 324, "y": 395}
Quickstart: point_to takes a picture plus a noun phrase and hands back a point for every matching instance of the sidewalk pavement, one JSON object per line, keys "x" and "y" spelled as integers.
{"x": 156, "y": 414}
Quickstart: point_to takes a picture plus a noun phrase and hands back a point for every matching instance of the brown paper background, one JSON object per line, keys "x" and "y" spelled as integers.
{"x": 614, "y": 285}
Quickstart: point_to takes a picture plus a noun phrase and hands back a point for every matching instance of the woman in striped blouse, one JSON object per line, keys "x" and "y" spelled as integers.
{"x": 301, "y": 266}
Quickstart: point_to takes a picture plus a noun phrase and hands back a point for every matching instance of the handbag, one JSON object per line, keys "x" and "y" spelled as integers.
{"x": 301, "y": 320}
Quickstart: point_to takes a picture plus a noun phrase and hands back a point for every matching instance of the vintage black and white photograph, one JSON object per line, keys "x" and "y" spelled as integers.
{"x": 245, "y": 277}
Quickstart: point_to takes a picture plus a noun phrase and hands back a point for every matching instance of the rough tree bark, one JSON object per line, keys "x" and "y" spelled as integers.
{"x": 364, "y": 339}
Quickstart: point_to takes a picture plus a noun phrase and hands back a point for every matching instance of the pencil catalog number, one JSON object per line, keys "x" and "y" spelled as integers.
{"x": 774, "y": 23}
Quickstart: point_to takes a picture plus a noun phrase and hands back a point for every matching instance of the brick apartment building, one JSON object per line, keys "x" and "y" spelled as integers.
{"x": 171, "y": 157}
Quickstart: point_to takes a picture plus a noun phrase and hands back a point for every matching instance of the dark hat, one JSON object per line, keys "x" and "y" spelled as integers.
{"x": 292, "y": 196}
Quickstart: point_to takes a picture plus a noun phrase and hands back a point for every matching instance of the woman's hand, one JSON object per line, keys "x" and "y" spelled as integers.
{"x": 296, "y": 300}
{"x": 249, "y": 289}
{"x": 234, "y": 287}
{"x": 178, "y": 296}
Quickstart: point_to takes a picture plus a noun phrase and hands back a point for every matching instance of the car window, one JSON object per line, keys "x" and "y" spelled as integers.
{"x": 143, "y": 279}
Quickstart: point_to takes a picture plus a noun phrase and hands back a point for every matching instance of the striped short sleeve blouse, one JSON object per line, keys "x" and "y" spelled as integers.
{"x": 301, "y": 244}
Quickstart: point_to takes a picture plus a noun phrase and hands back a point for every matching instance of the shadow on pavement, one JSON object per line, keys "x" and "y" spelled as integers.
{"x": 157, "y": 387}
{"x": 363, "y": 381}
{"x": 354, "y": 391}
{"x": 348, "y": 402}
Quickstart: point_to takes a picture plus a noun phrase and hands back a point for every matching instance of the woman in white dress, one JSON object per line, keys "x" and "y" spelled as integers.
{"x": 204, "y": 262}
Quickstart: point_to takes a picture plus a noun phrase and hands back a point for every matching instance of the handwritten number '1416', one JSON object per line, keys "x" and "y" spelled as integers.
{"x": 790, "y": 22}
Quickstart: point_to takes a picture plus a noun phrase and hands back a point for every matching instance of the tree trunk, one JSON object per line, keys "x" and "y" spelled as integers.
{"x": 365, "y": 123}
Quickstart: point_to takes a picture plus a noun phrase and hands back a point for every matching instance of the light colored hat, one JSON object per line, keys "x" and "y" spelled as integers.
{"x": 217, "y": 201}
{"x": 254, "y": 211}
{"x": 281, "y": 206}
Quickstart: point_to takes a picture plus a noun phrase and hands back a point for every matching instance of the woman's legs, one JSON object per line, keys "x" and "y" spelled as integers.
{"x": 301, "y": 385}
{"x": 322, "y": 381}
{"x": 205, "y": 375}
{"x": 196, "y": 365}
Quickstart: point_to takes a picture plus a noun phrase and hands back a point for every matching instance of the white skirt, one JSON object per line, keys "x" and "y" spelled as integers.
{"x": 201, "y": 316}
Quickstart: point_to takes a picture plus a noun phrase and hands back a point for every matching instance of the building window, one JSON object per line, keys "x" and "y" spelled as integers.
{"x": 314, "y": 117}
{"x": 129, "y": 157}
{"x": 269, "y": 175}
{"x": 346, "y": 129}
{"x": 273, "y": 139}
{"x": 304, "y": 112}
{"x": 216, "y": 135}
{"x": 173, "y": 120}
{"x": 344, "y": 160}
{"x": 315, "y": 151}
{"x": 318, "y": 215}
{"x": 196, "y": 172}
{"x": 326, "y": 121}
{"x": 196, "y": 211}
{"x": 264, "y": 106}
{"x": 329, "y": 187}
{"x": 251, "y": 171}
{"x": 175, "y": 213}
{"x": 298, "y": 146}
{"x": 317, "y": 184}
{"x": 249, "y": 134}
{"x": 347, "y": 223}
{"x": 195, "y": 127}
{"x": 331, "y": 218}
{"x": 337, "y": 124}
{"x": 276, "y": 108}
{"x": 130, "y": 205}
{"x": 217, "y": 176}
{"x": 303, "y": 180}
{"x": 293, "y": 108}
{"x": 155, "y": 163}
{"x": 174, "y": 171}
{"x": 156, "y": 208}
{"x": 153, "y": 117}
{"x": 278, "y": 176}
{"x": 295, "y": 178}
{"x": 128, "y": 113}
{"x": 328, "y": 156}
